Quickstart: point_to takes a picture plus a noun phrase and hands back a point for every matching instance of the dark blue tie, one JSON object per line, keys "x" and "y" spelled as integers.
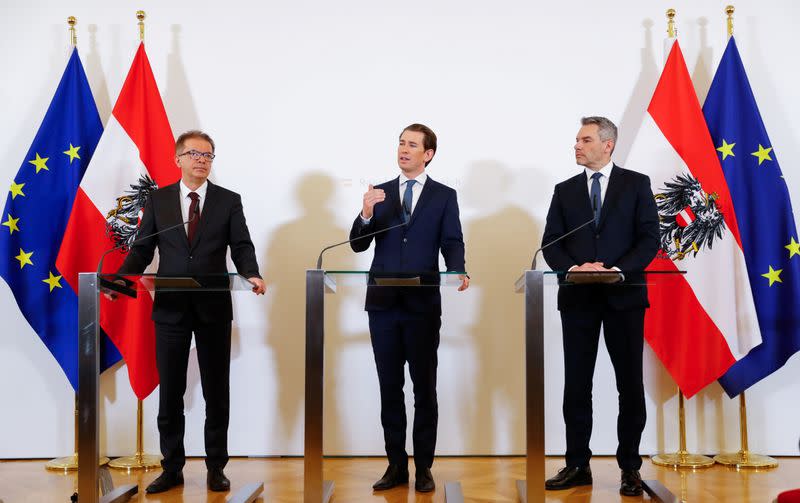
{"x": 407, "y": 199}
{"x": 596, "y": 201}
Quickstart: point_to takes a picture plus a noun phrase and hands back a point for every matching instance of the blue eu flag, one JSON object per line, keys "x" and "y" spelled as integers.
{"x": 36, "y": 214}
{"x": 765, "y": 218}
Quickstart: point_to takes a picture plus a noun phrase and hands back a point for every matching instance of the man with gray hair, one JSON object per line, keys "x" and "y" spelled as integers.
{"x": 621, "y": 238}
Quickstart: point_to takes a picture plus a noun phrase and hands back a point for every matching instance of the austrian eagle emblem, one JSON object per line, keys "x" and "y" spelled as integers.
{"x": 122, "y": 223}
{"x": 689, "y": 218}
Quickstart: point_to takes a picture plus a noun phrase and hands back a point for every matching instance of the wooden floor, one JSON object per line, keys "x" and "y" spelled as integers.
{"x": 482, "y": 480}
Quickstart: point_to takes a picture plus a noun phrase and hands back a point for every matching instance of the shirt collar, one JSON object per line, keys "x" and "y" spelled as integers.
{"x": 605, "y": 170}
{"x": 421, "y": 179}
{"x": 201, "y": 190}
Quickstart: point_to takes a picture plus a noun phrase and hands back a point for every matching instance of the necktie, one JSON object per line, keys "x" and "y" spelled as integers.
{"x": 194, "y": 215}
{"x": 407, "y": 199}
{"x": 596, "y": 201}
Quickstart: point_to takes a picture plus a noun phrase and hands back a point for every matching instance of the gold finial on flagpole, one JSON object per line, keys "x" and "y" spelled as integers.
{"x": 140, "y": 15}
{"x": 671, "y": 23}
{"x": 73, "y": 39}
{"x": 729, "y": 11}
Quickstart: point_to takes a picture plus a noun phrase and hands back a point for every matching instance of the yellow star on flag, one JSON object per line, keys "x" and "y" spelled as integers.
{"x": 53, "y": 281}
{"x": 762, "y": 154}
{"x": 11, "y": 223}
{"x": 793, "y": 247}
{"x": 40, "y": 163}
{"x": 16, "y": 190}
{"x": 72, "y": 153}
{"x": 773, "y": 275}
{"x": 24, "y": 258}
{"x": 726, "y": 149}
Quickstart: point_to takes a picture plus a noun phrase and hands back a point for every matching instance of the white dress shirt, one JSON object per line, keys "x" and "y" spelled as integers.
{"x": 186, "y": 201}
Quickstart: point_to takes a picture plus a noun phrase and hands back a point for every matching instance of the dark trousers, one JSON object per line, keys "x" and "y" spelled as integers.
{"x": 624, "y": 337}
{"x": 213, "y": 343}
{"x": 398, "y": 337}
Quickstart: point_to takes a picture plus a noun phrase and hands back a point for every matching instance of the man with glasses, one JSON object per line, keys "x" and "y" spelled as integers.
{"x": 404, "y": 322}
{"x": 214, "y": 221}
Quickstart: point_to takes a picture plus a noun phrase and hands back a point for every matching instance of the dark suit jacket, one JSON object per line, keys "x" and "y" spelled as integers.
{"x": 627, "y": 237}
{"x": 434, "y": 227}
{"x": 222, "y": 224}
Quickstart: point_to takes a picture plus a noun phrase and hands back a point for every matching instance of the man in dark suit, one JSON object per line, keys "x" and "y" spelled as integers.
{"x": 215, "y": 223}
{"x": 404, "y": 323}
{"x": 624, "y": 238}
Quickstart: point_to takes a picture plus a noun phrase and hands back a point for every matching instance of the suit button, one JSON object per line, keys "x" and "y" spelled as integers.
{"x": 190, "y": 257}
{"x": 405, "y": 240}
{"x": 597, "y": 236}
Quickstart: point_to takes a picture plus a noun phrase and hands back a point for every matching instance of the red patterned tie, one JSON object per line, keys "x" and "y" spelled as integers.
{"x": 194, "y": 215}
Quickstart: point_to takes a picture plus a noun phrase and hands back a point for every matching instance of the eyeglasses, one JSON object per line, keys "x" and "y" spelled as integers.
{"x": 195, "y": 155}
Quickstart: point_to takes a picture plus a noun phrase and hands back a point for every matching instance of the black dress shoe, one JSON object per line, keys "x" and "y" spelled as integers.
{"x": 165, "y": 482}
{"x": 217, "y": 481}
{"x": 631, "y": 484}
{"x": 424, "y": 480}
{"x": 570, "y": 476}
{"x": 395, "y": 475}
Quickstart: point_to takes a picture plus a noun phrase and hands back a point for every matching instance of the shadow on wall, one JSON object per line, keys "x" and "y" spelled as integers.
{"x": 178, "y": 99}
{"x": 500, "y": 242}
{"x": 293, "y": 249}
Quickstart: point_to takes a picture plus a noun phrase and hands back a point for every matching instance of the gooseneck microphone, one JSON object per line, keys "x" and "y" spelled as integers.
{"x": 195, "y": 214}
{"x": 381, "y": 231}
{"x": 576, "y": 229}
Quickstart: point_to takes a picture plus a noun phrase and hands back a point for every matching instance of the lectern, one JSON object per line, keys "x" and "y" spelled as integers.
{"x": 90, "y": 286}
{"x": 535, "y": 285}
{"x": 319, "y": 282}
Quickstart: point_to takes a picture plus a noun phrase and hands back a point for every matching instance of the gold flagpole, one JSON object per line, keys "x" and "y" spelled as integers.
{"x": 70, "y": 463}
{"x": 682, "y": 458}
{"x": 140, "y": 460}
{"x": 744, "y": 458}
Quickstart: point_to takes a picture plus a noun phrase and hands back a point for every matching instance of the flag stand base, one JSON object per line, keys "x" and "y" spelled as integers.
{"x": 682, "y": 460}
{"x": 69, "y": 463}
{"x": 744, "y": 459}
{"x": 136, "y": 462}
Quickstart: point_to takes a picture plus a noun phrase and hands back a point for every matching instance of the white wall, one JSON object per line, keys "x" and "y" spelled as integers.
{"x": 305, "y": 100}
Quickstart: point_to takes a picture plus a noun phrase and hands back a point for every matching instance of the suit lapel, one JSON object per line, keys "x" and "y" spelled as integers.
{"x": 583, "y": 195}
{"x": 427, "y": 190}
{"x": 208, "y": 208}
{"x": 613, "y": 192}
{"x": 393, "y": 193}
{"x": 173, "y": 209}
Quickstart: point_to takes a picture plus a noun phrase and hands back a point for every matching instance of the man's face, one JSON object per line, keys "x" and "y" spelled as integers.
{"x": 590, "y": 151}
{"x": 411, "y": 153}
{"x": 194, "y": 170}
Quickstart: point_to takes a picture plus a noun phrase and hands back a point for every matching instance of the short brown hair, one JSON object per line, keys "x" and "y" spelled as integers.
{"x": 429, "y": 141}
{"x": 189, "y": 135}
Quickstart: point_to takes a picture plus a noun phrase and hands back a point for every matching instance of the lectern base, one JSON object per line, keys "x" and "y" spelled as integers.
{"x": 453, "y": 492}
{"x": 658, "y": 492}
{"x": 327, "y": 490}
{"x": 247, "y": 494}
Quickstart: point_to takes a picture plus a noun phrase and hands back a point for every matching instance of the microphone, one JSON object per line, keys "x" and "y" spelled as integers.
{"x": 381, "y": 231}
{"x": 576, "y": 229}
{"x": 195, "y": 214}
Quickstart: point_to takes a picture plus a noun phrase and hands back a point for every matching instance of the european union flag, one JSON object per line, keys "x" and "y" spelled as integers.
{"x": 37, "y": 211}
{"x": 766, "y": 222}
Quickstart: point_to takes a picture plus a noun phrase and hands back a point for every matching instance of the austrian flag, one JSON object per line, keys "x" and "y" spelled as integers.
{"x": 134, "y": 156}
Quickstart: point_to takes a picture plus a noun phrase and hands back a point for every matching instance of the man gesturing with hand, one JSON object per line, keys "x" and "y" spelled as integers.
{"x": 404, "y": 322}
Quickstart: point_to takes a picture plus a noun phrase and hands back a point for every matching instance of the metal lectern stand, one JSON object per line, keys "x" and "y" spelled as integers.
{"x": 89, "y": 368}
{"x": 531, "y": 283}
{"x": 318, "y": 282}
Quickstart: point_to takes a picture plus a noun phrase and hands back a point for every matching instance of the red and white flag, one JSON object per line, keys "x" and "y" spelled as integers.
{"x": 700, "y": 324}
{"x": 135, "y": 154}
